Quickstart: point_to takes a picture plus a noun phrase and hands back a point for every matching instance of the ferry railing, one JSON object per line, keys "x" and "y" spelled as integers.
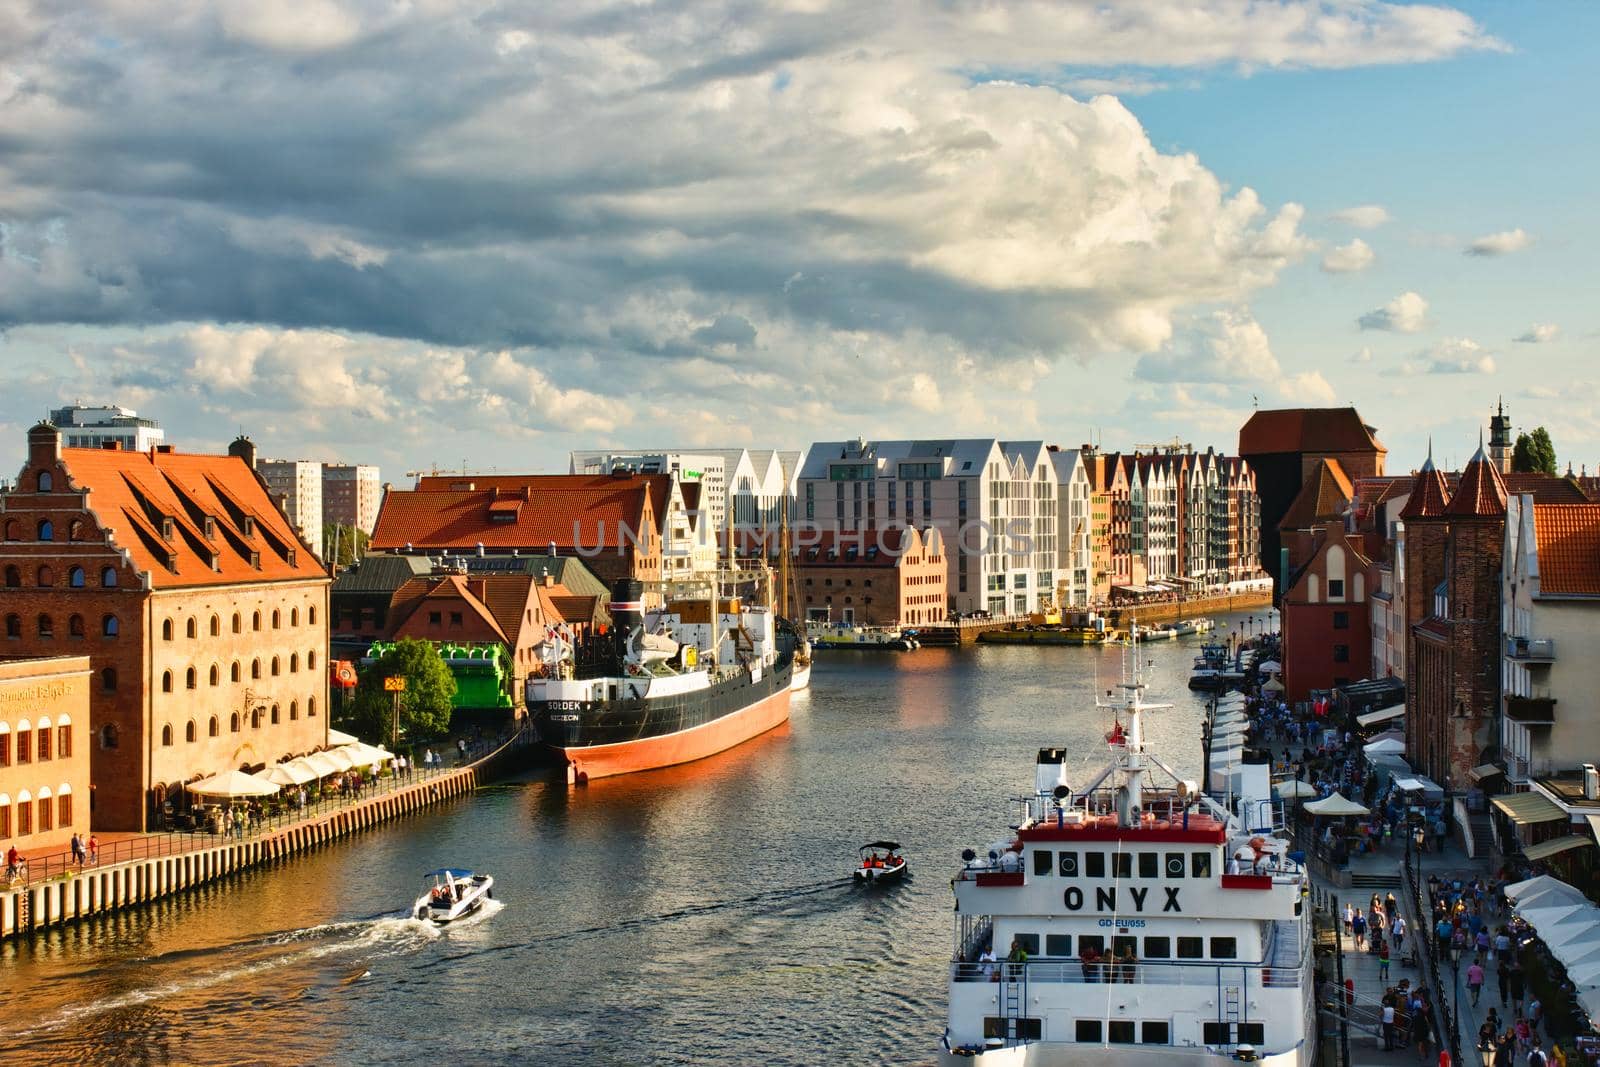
{"x": 1161, "y": 973}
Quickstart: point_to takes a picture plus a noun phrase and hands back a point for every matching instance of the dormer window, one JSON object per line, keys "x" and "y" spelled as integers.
{"x": 249, "y": 526}
{"x": 255, "y": 560}
{"x": 166, "y": 527}
{"x": 211, "y": 527}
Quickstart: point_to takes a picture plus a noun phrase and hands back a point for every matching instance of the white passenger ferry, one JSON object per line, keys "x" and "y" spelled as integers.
{"x": 1158, "y": 925}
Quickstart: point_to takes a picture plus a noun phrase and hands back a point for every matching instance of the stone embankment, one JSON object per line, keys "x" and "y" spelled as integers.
{"x": 99, "y": 890}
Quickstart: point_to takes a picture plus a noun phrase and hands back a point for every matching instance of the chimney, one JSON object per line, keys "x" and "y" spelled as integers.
{"x": 44, "y": 446}
{"x": 1591, "y": 782}
{"x": 549, "y": 581}
{"x": 245, "y": 449}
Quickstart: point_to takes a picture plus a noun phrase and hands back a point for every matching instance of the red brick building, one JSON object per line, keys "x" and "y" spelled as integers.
{"x": 1326, "y": 621}
{"x": 889, "y": 577}
{"x": 202, "y": 612}
{"x": 612, "y": 522}
{"x": 44, "y": 751}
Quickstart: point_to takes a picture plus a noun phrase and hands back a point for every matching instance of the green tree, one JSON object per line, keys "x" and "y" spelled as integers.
{"x": 344, "y": 544}
{"x": 1534, "y": 452}
{"x": 425, "y": 704}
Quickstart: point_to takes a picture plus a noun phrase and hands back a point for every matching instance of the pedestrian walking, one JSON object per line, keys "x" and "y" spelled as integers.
{"x": 1349, "y": 918}
{"x": 1475, "y": 981}
{"x": 1359, "y": 927}
{"x": 79, "y": 853}
{"x": 1388, "y": 1024}
{"x": 94, "y": 851}
{"x": 1397, "y": 929}
{"x": 1383, "y": 962}
{"x": 1502, "y": 978}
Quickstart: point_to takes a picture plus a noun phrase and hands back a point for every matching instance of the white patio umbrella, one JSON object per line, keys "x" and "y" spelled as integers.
{"x": 1337, "y": 804}
{"x": 288, "y": 774}
{"x": 339, "y": 737}
{"x": 366, "y": 755}
{"x": 1522, "y": 892}
{"x": 338, "y": 757}
{"x": 1270, "y": 666}
{"x": 1293, "y": 788}
{"x": 232, "y": 784}
{"x": 1272, "y": 685}
{"x": 1387, "y": 747}
{"x": 318, "y": 763}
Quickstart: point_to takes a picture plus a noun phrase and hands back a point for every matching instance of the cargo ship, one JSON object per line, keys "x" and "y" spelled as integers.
{"x": 695, "y": 675}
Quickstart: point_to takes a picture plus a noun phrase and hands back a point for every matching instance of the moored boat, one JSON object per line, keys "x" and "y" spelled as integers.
{"x": 1133, "y": 919}
{"x": 453, "y": 894}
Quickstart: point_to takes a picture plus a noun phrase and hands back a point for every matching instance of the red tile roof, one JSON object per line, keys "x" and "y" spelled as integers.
{"x": 1324, "y": 497}
{"x": 1481, "y": 493}
{"x": 1307, "y": 430}
{"x": 1429, "y": 497}
{"x": 872, "y": 548}
{"x": 431, "y": 520}
{"x": 132, "y": 494}
{"x": 1568, "y": 536}
{"x": 659, "y": 485}
{"x": 1546, "y": 488}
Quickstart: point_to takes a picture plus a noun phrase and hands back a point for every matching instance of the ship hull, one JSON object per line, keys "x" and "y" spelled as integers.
{"x": 1069, "y": 1054}
{"x": 624, "y": 737}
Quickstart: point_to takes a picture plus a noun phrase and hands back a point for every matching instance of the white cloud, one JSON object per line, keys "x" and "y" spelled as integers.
{"x": 1363, "y": 216}
{"x": 1540, "y": 333}
{"x": 1363, "y": 355}
{"x": 1309, "y": 388}
{"x": 1227, "y": 347}
{"x": 1456, "y": 355}
{"x": 1500, "y": 244}
{"x": 1406, "y": 313}
{"x": 1346, "y": 259}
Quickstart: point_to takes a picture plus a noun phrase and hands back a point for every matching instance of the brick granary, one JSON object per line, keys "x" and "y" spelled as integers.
{"x": 203, "y": 614}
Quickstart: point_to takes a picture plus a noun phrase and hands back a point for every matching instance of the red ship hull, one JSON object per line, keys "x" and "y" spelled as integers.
{"x": 684, "y": 746}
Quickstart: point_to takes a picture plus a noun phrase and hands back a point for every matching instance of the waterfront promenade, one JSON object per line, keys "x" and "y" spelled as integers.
{"x": 134, "y": 868}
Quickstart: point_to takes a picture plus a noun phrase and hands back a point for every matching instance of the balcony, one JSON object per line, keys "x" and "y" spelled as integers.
{"x": 1537, "y": 710}
{"x": 1530, "y": 650}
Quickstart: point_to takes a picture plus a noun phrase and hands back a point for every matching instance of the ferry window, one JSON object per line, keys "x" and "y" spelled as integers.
{"x": 1091, "y": 941}
{"x": 1089, "y": 1031}
{"x": 1155, "y": 1034}
{"x": 1216, "y": 1034}
{"x": 1069, "y": 865}
{"x": 1253, "y": 1033}
{"x": 1094, "y": 864}
{"x": 1123, "y": 944}
{"x": 1122, "y": 865}
{"x": 1175, "y": 865}
{"x": 1121, "y": 1031}
{"x": 1043, "y": 861}
{"x": 1149, "y": 865}
{"x": 1191, "y": 948}
{"x": 1029, "y": 1029}
{"x": 1158, "y": 948}
{"x": 1030, "y": 943}
{"x": 1058, "y": 944}
{"x": 1202, "y": 865}
{"x": 994, "y": 1026}
{"x": 1224, "y": 948}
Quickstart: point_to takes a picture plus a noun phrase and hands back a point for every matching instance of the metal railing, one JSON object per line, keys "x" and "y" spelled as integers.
{"x": 277, "y": 815}
{"x": 1143, "y": 972}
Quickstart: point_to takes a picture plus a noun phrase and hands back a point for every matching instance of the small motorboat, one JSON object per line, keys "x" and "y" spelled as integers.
{"x": 452, "y": 893}
{"x": 880, "y": 862}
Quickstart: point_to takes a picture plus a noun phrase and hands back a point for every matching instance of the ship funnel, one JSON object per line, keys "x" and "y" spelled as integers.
{"x": 627, "y": 612}
{"x": 1050, "y": 771}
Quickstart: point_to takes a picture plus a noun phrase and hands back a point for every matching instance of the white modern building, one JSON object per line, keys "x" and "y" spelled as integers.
{"x": 1074, "y": 556}
{"x": 351, "y": 494}
{"x": 994, "y": 503}
{"x": 296, "y": 484}
{"x": 96, "y": 427}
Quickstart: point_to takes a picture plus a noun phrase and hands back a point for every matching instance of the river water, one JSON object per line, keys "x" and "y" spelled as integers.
{"x": 701, "y": 914}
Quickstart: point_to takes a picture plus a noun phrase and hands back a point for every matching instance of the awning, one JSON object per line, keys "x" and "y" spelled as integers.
{"x": 232, "y": 784}
{"x": 1387, "y": 747}
{"x": 1484, "y": 771}
{"x": 1546, "y": 849}
{"x": 1372, "y": 718}
{"x": 339, "y": 737}
{"x": 296, "y": 773}
{"x": 1526, "y": 808}
{"x": 1335, "y": 805}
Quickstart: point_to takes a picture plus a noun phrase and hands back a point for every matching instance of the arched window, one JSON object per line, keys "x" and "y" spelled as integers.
{"x": 166, "y": 681}
{"x": 294, "y": 709}
{"x": 46, "y": 482}
{"x": 47, "y": 577}
{"x": 108, "y": 735}
{"x": 276, "y": 619}
{"x": 13, "y": 577}
{"x": 238, "y": 626}
{"x": 191, "y": 680}
{"x": 255, "y": 668}
{"x": 311, "y": 616}
{"x": 233, "y": 672}
{"x": 75, "y": 530}
{"x": 255, "y": 621}
{"x": 109, "y": 626}
{"x": 311, "y": 707}
{"x": 274, "y": 714}
{"x": 294, "y": 616}
{"x": 75, "y": 626}
{"x": 274, "y": 666}
{"x": 108, "y": 680}
{"x": 108, "y": 578}
{"x": 166, "y": 629}
{"x": 233, "y": 723}
{"x": 216, "y": 674}
{"x": 189, "y": 732}
{"x": 190, "y": 629}
{"x": 47, "y": 626}
{"x": 75, "y": 578}
{"x": 216, "y": 626}
{"x": 214, "y": 729}
{"x": 47, "y": 530}
{"x": 311, "y": 661}
{"x": 166, "y": 736}
{"x": 294, "y": 662}
{"x": 255, "y": 718}
{"x": 13, "y": 625}
{"x": 13, "y": 530}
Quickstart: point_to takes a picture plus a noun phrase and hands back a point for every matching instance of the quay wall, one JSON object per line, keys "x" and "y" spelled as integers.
{"x": 1171, "y": 610}
{"x": 101, "y": 890}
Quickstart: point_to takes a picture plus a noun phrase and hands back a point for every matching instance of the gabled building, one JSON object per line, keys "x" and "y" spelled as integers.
{"x": 1074, "y": 556}
{"x": 203, "y": 614}
{"x": 1326, "y": 624}
{"x": 890, "y": 577}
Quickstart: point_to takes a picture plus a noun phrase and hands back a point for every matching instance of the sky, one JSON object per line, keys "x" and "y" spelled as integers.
{"x": 425, "y": 234}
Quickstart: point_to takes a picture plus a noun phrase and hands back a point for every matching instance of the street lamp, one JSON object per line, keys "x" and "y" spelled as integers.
{"x": 1455, "y": 995}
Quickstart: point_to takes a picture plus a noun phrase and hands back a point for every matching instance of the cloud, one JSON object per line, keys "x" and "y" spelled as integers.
{"x": 1225, "y": 347}
{"x": 1363, "y": 216}
{"x": 1457, "y": 355}
{"x": 1500, "y": 244}
{"x": 1346, "y": 259}
{"x": 1406, "y": 313}
{"x": 1363, "y": 355}
{"x": 1540, "y": 333}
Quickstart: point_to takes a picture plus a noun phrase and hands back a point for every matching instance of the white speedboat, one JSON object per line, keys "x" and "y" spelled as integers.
{"x": 451, "y": 893}
{"x": 801, "y": 678}
{"x": 874, "y": 868}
